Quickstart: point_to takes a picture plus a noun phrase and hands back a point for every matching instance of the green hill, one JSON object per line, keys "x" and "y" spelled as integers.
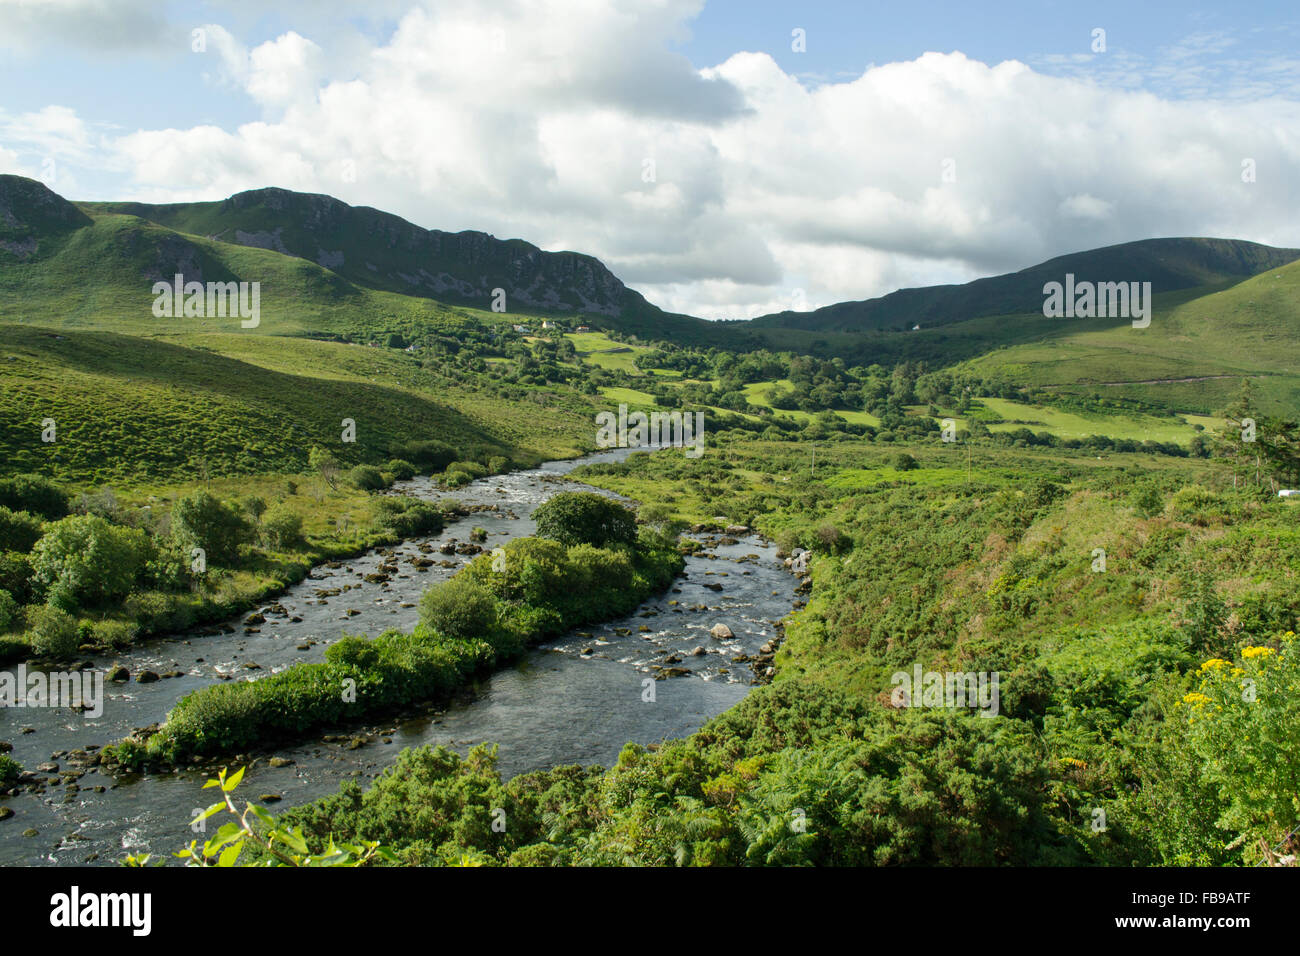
{"x": 127, "y": 407}
{"x": 1168, "y": 264}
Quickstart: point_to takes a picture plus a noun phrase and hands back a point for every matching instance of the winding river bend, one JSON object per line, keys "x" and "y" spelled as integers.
{"x": 576, "y": 700}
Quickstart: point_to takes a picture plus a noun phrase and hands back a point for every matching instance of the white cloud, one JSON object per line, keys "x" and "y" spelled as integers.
{"x": 537, "y": 119}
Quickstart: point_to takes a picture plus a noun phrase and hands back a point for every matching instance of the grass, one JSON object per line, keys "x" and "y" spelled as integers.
{"x": 1067, "y": 424}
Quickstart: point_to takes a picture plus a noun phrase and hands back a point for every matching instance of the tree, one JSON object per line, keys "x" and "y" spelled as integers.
{"x": 203, "y": 521}
{"x": 84, "y": 560}
{"x": 584, "y": 517}
{"x": 324, "y": 464}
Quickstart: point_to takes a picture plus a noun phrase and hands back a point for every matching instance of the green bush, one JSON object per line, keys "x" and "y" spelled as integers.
{"x": 203, "y": 521}
{"x": 367, "y": 478}
{"x": 282, "y": 528}
{"x": 352, "y": 651}
{"x": 19, "y": 531}
{"x": 115, "y": 634}
{"x": 427, "y": 455}
{"x": 16, "y": 575}
{"x": 82, "y": 560}
{"x": 457, "y": 479}
{"x": 52, "y": 632}
{"x": 401, "y": 470}
{"x": 471, "y": 468}
{"x": 34, "y": 494}
{"x": 408, "y": 517}
{"x": 459, "y": 608}
{"x": 584, "y": 517}
{"x": 10, "y": 770}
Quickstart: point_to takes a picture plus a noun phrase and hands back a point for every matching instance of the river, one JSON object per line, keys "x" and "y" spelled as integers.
{"x": 576, "y": 700}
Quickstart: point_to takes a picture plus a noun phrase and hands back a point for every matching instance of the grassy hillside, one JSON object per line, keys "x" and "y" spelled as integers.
{"x": 1193, "y": 357}
{"x": 222, "y": 404}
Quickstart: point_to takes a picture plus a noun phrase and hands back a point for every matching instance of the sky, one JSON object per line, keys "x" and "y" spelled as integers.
{"x": 726, "y": 158}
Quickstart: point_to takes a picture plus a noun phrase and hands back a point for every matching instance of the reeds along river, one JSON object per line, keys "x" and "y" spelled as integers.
{"x": 577, "y": 700}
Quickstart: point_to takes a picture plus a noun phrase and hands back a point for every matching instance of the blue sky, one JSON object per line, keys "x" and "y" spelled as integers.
{"x": 779, "y": 175}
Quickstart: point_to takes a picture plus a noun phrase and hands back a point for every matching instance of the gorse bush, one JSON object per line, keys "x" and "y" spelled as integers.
{"x": 400, "y": 469}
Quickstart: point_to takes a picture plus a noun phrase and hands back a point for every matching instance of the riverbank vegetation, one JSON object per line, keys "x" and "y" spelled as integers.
{"x": 1140, "y": 613}
{"x": 589, "y": 563}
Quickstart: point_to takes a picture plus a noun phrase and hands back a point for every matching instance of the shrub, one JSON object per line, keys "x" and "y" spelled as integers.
{"x": 427, "y": 455}
{"x": 19, "y": 531}
{"x": 115, "y": 634}
{"x": 352, "y": 651}
{"x": 10, "y": 770}
{"x": 16, "y": 575}
{"x": 904, "y": 462}
{"x": 584, "y": 517}
{"x": 84, "y": 560}
{"x": 202, "y": 521}
{"x": 282, "y": 528}
{"x": 457, "y": 479}
{"x": 35, "y": 494}
{"x": 401, "y": 470}
{"x": 458, "y": 608}
{"x": 367, "y": 478}
{"x": 8, "y": 610}
{"x": 408, "y": 517}
{"x": 53, "y": 632}
{"x": 254, "y": 505}
{"x": 471, "y": 468}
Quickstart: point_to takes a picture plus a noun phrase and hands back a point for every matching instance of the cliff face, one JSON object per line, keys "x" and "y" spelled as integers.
{"x": 30, "y": 212}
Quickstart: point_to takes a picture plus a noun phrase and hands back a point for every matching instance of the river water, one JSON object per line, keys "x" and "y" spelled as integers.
{"x": 576, "y": 700}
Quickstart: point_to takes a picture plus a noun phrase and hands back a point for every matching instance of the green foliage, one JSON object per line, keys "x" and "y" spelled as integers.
{"x": 367, "y": 478}
{"x": 282, "y": 528}
{"x": 584, "y": 517}
{"x": 34, "y": 494}
{"x": 255, "y": 829}
{"x": 201, "y": 520}
{"x": 400, "y": 469}
{"x": 9, "y": 609}
{"x": 83, "y": 561}
{"x": 408, "y": 517}
{"x": 459, "y": 608}
{"x": 52, "y": 632}
{"x": 19, "y": 531}
{"x": 10, "y": 769}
